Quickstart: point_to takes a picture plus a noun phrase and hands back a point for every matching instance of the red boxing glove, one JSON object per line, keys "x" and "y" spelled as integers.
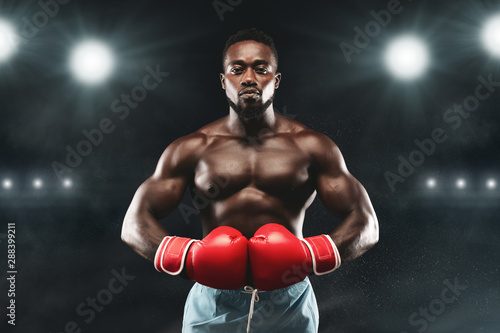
{"x": 218, "y": 261}
{"x": 279, "y": 259}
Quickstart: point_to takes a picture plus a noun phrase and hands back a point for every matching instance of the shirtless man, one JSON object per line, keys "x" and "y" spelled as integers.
{"x": 271, "y": 169}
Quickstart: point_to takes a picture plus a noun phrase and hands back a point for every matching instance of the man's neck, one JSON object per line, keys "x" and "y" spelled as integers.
{"x": 251, "y": 127}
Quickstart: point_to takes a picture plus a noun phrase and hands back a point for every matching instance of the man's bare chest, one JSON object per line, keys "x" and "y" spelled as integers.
{"x": 274, "y": 168}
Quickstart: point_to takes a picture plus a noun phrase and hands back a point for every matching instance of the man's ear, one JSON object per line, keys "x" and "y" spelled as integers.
{"x": 277, "y": 76}
{"x": 222, "y": 78}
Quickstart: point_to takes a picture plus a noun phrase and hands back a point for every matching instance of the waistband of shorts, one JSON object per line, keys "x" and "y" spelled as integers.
{"x": 294, "y": 287}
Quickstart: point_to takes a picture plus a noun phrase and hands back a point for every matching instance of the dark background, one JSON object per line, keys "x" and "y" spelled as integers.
{"x": 68, "y": 240}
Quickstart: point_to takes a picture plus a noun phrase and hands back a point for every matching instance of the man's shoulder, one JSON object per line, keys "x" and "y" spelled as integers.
{"x": 190, "y": 144}
{"x": 321, "y": 149}
{"x": 213, "y": 129}
{"x": 183, "y": 153}
{"x": 306, "y": 137}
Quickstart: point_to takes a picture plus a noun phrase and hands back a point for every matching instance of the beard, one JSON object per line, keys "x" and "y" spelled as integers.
{"x": 250, "y": 112}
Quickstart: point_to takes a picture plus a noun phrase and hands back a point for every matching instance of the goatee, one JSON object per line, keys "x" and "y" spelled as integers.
{"x": 250, "y": 112}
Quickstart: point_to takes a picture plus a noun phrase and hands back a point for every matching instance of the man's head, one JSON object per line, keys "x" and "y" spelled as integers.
{"x": 250, "y": 77}
{"x": 250, "y": 34}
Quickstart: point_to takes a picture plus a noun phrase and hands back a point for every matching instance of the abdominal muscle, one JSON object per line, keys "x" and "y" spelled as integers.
{"x": 249, "y": 209}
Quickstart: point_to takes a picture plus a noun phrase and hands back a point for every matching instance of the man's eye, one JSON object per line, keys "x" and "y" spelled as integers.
{"x": 261, "y": 70}
{"x": 236, "y": 70}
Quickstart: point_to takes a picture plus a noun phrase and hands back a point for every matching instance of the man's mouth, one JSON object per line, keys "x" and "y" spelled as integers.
{"x": 251, "y": 92}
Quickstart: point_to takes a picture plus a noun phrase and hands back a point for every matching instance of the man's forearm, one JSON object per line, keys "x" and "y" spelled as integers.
{"x": 357, "y": 233}
{"x": 143, "y": 233}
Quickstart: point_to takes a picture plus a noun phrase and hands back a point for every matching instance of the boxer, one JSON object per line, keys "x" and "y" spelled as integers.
{"x": 253, "y": 256}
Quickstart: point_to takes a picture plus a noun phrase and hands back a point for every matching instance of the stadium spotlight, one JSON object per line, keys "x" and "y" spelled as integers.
{"x": 7, "y": 184}
{"x": 91, "y": 61}
{"x": 491, "y": 184}
{"x": 37, "y": 183}
{"x": 8, "y": 40}
{"x": 460, "y": 183}
{"x": 491, "y": 35}
{"x": 431, "y": 183}
{"x": 67, "y": 183}
{"x": 406, "y": 57}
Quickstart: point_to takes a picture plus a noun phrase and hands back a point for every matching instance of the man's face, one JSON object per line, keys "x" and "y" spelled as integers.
{"x": 250, "y": 78}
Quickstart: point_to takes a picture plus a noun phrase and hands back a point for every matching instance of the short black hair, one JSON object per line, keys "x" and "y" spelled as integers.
{"x": 250, "y": 34}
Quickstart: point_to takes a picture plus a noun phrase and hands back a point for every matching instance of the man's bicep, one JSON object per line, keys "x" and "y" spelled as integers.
{"x": 340, "y": 193}
{"x": 160, "y": 196}
{"x": 163, "y": 191}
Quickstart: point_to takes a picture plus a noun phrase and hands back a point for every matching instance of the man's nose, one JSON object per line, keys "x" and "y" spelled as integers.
{"x": 248, "y": 79}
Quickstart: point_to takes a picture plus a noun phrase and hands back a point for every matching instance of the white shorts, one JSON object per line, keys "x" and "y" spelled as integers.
{"x": 291, "y": 309}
